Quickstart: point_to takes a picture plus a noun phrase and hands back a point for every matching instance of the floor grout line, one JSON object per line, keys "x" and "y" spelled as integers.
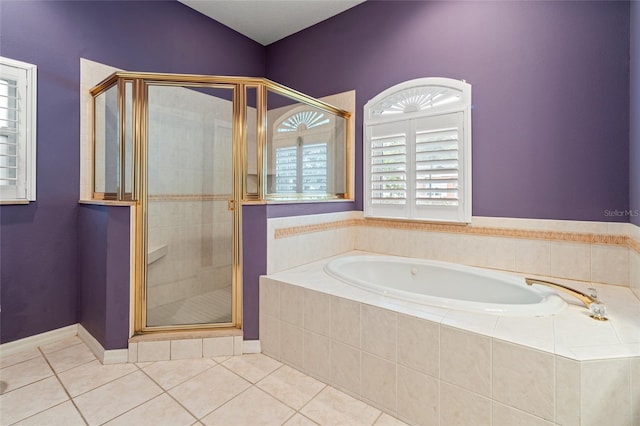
{"x": 166, "y": 391}
{"x": 240, "y": 374}
{"x": 63, "y": 388}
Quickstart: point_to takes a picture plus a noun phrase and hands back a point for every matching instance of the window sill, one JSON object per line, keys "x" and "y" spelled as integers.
{"x": 293, "y": 200}
{"x": 107, "y": 202}
{"x": 17, "y": 202}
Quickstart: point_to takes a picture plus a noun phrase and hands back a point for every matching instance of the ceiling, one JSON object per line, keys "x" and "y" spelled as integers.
{"x": 267, "y": 21}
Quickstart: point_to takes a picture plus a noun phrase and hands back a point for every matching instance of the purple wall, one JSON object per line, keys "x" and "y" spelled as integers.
{"x": 550, "y": 91}
{"x": 634, "y": 131}
{"x": 103, "y": 271}
{"x": 254, "y": 250}
{"x": 39, "y": 241}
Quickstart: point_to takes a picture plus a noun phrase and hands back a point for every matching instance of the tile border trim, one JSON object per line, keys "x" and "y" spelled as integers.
{"x": 574, "y": 237}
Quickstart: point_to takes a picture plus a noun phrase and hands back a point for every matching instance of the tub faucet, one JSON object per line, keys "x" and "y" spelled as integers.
{"x": 596, "y": 307}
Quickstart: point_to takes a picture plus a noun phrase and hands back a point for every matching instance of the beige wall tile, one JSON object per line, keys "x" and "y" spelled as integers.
{"x": 570, "y": 260}
{"x": 291, "y": 344}
{"x": 379, "y": 331}
{"x": 610, "y": 264}
{"x": 186, "y": 348}
{"x": 317, "y": 312}
{"x": 444, "y": 247}
{"x": 345, "y": 367}
{"x": 418, "y": 396}
{"x": 532, "y": 256}
{"x": 223, "y": 346}
{"x": 509, "y": 416}
{"x": 345, "y": 321}
{"x": 383, "y": 240}
{"x": 465, "y": 360}
{"x": 524, "y": 378}
{"x": 606, "y": 392}
{"x": 461, "y": 407}
{"x": 238, "y": 345}
{"x": 567, "y": 391}
{"x": 292, "y": 304}
{"x": 269, "y": 297}
{"x": 635, "y": 387}
{"x": 154, "y": 351}
{"x": 379, "y": 382}
{"x": 634, "y": 271}
{"x": 419, "y": 344}
{"x": 317, "y": 355}
{"x": 132, "y": 355}
{"x": 270, "y": 336}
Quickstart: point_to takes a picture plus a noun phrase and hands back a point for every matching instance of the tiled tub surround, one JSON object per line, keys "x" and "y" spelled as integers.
{"x": 598, "y": 252}
{"x": 428, "y": 365}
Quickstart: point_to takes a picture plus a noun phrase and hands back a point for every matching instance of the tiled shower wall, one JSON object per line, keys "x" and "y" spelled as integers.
{"x": 190, "y": 182}
{"x": 588, "y": 251}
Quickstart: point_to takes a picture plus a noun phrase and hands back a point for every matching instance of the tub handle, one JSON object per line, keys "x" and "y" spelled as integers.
{"x": 596, "y": 307}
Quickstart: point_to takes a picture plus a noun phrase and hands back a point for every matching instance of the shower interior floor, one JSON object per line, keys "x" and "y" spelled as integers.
{"x": 206, "y": 308}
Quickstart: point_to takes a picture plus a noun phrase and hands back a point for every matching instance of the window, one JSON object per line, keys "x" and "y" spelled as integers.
{"x": 302, "y": 149}
{"x": 17, "y": 131}
{"x": 418, "y": 151}
{"x": 310, "y": 159}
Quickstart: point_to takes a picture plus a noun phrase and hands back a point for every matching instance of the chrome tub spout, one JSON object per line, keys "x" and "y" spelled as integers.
{"x": 596, "y": 307}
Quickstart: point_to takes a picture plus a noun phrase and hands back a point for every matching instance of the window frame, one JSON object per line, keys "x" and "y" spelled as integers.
{"x": 26, "y": 76}
{"x": 405, "y": 123}
{"x": 322, "y": 134}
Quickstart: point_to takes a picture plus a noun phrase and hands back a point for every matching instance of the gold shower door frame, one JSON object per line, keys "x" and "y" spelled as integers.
{"x": 140, "y": 324}
{"x": 138, "y": 197}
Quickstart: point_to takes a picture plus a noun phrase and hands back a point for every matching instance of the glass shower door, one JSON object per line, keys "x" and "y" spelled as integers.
{"x": 189, "y": 228}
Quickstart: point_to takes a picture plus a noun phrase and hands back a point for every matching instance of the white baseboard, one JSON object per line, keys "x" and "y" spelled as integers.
{"x": 38, "y": 340}
{"x": 113, "y": 356}
{"x": 251, "y": 347}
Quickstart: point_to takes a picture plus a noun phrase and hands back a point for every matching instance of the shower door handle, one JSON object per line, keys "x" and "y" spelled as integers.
{"x": 231, "y": 205}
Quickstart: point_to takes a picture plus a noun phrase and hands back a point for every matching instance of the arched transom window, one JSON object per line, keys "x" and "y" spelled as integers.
{"x": 417, "y": 152}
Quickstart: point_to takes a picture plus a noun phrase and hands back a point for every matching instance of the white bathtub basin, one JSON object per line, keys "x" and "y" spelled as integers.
{"x": 446, "y": 285}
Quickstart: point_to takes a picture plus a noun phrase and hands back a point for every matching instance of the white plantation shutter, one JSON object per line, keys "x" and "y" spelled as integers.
{"x": 387, "y": 160}
{"x": 417, "y": 153}
{"x": 17, "y": 131}
{"x": 439, "y": 175}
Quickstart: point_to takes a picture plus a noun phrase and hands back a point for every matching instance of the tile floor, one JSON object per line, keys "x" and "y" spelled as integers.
{"x": 63, "y": 384}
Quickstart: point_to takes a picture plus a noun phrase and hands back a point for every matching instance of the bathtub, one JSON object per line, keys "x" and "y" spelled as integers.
{"x": 445, "y": 285}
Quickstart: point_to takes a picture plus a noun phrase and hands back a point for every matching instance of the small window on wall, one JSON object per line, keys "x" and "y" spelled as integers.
{"x": 17, "y": 132}
{"x": 417, "y": 155}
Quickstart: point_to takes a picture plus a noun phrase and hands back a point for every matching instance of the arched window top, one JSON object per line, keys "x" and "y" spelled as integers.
{"x": 303, "y": 120}
{"x": 423, "y": 95}
{"x": 417, "y": 151}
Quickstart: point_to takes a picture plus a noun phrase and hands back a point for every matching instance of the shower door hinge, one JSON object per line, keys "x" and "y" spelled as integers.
{"x": 231, "y": 205}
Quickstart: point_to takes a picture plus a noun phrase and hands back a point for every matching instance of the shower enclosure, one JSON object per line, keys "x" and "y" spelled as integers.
{"x": 185, "y": 151}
